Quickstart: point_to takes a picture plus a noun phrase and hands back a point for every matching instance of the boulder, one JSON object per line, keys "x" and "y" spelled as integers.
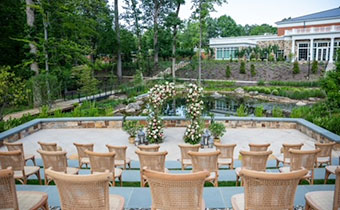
{"x": 216, "y": 95}
{"x": 134, "y": 106}
{"x": 140, "y": 102}
{"x": 239, "y": 90}
{"x": 300, "y": 103}
{"x": 132, "y": 110}
{"x": 311, "y": 99}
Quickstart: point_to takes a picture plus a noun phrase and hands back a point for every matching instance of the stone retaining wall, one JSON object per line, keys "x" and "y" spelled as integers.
{"x": 319, "y": 134}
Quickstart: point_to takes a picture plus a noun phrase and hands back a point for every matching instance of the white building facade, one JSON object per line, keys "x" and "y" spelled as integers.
{"x": 310, "y": 37}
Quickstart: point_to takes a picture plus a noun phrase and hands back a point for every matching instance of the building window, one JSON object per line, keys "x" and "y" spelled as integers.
{"x": 303, "y": 52}
{"x": 226, "y": 53}
{"x": 280, "y": 54}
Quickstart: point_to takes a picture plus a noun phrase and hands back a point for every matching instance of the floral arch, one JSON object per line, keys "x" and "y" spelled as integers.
{"x": 160, "y": 94}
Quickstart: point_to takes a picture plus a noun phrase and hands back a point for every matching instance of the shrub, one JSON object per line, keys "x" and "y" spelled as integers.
{"x": 267, "y": 91}
{"x": 58, "y": 113}
{"x": 242, "y": 111}
{"x": 252, "y": 70}
{"x": 228, "y": 72}
{"x": 131, "y": 127}
{"x": 44, "y": 111}
{"x": 217, "y": 129}
{"x": 259, "y": 111}
{"x": 231, "y": 59}
{"x": 296, "y": 68}
{"x": 271, "y": 58}
{"x": 275, "y": 92}
{"x": 299, "y": 112}
{"x": 315, "y": 67}
{"x": 261, "y": 82}
{"x": 243, "y": 67}
{"x": 277, "y": 112}
{"x": 296, "y": 83}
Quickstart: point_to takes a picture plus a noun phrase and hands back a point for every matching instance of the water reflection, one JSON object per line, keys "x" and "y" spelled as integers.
{"x": 226, "y": 105}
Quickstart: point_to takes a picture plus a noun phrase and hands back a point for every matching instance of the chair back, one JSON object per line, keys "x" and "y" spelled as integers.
{"x": 287, "y": 147}
{"x": 13, "y": 159}
{"x": 8, "y": 192}
{"x": 336, "y": 201}
{"x": 15, "y": 146}
{"x": 152, "y": 160}
{"x": 185, "y": 148}
{"x": 258, "y": 147}
{"x": 81, "y": 148}
{"x": 256, "y": 161}
{"x": 303, "y": 159}
{"x": 149, "y": 148}
{"x": 176, "y": 191}
{"x": 101, "y": 162}
{"x": 119, "y": 150}
{"x": 325, "y": 149}
{"x": 82, "y": 192}
{"x": 204, "y": 161}
{"x": 48, "y": 146}
{"x": 227, "y": 150}
{"x": 54, "y": 159}
{"x": 270, "y": 190}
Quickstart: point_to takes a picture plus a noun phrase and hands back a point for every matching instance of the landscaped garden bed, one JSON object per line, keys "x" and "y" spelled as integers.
{"x": 268, "y": 71}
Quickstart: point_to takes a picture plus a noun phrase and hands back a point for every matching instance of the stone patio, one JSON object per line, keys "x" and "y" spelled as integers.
{"x": 173, "y": 136}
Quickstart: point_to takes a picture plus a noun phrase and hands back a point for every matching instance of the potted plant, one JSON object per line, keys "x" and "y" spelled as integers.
{"x": 217, "y": 130}
{"x": 131, "y": 127}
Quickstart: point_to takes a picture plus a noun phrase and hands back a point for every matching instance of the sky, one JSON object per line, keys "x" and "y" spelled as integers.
{"x": 261, "y": 11}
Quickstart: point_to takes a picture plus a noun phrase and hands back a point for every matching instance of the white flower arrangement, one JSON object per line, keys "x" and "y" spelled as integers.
{"x": 157, "y": 95}
{"x": 193, "y": 133}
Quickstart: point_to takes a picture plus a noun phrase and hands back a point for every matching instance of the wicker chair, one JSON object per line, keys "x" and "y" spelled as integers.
{"x": 49, "y": 146}
{"x": 185, "y": 158}
{"x": 12, "y": 199}
{"x": 82, "y": 156}
{"x": 149, "y": 148}
{"x": 151, "y": 160}
{"x": 15, "y": 160}
{"x": 325, "y": 154}
{"x": 322, "y": 200}
{"x": 253, "y": 160}
{"x": 101, "y": 162}
{"x": 284, "y": 156}
{"x": 329, "y": 170}
{"x": 227, "y": 154}
{"x": 120, "y": 158}
{"x": 206, "y": 161}
{"x": 86, "y": 192}
{"x": 57, "y": 161}
{"x": 176, "y": 191}
{"x": 20, "y": 146}
{"x": 299, "y": 159}
{"x": 258, "y": 147}
{"x": 267, "y": 190}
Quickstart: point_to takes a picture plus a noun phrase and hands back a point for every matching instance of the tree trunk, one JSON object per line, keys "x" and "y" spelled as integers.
{"x": 200, "y": 45}
{"x": 45, "y": 23}
{"x": 30, "y": 22}
{"x": 155, "y": 34}
{"x": 174, "y": 45}
{"x": 119, "y": 54}
{"x": 135, "y": 13}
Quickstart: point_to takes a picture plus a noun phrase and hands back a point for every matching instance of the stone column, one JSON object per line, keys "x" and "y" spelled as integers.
{"x": 293, "y": 50}
{"x": 331, "y": 51}
{"x": 311, "y": 51}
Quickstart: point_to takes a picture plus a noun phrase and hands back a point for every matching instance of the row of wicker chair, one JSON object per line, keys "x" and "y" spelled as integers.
{"x": 169, "y": 191}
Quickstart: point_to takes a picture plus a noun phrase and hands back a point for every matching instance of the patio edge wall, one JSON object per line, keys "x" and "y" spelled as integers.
{"x": 306, "y": 127}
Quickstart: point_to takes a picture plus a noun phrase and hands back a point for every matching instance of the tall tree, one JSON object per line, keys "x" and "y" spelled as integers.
{"x": 174, "y": 21}
{"x": 133, "y": 15}
{"x": 202, "y": 8}
{"x": 119, "y": 53}
{"x": 156, "y": 9}
{"x": 30, "y": 22}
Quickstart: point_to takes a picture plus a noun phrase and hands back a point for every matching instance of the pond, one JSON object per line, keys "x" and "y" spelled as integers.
{"x": 225, "y": 106}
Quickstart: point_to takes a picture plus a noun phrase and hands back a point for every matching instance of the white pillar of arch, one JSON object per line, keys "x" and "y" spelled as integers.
{"x": 311, "y": 51}
{"x": 293, "y": 50}
{"x": 331, "y": 51}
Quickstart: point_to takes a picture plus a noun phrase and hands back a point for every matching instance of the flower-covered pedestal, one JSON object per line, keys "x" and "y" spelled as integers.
{"x": 157, "y": 95}
{"x": 194, "y": 130}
